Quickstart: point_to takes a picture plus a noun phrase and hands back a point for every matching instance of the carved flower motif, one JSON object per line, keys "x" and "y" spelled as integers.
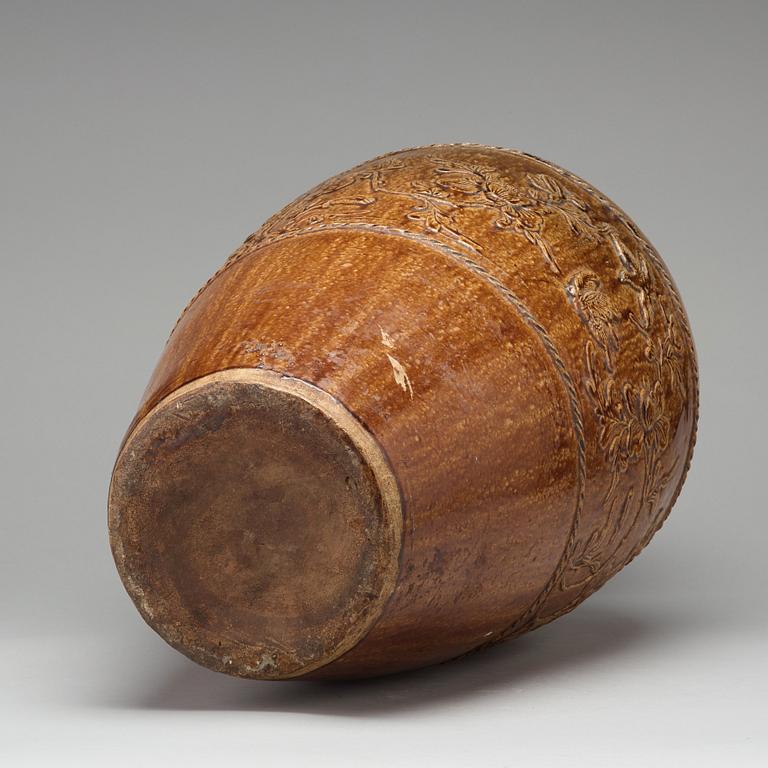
{"x": 632, "y": 420}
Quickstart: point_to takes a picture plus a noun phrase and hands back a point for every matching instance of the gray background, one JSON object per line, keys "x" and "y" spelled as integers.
{"x": 141, "y": 142}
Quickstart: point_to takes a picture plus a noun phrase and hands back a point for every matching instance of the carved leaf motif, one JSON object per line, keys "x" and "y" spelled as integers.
{"x": 438, "y": 220}
{"x": 545, "y": 188}
{"x": 461, "y": 180}
{"x": 667, "y": 355}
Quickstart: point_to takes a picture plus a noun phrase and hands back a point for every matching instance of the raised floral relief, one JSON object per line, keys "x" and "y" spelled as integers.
{"x": 439, "y": 204}
{"x": 633, "y": 428}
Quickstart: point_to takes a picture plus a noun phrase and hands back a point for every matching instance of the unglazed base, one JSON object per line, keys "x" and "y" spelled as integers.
{"x": 256, "y": 524}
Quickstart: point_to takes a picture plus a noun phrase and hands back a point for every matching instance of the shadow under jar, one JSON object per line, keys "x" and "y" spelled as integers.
{"x": 432, "y": 404}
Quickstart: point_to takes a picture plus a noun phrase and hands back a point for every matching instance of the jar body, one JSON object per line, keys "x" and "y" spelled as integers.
{"x": 516, "y": 354}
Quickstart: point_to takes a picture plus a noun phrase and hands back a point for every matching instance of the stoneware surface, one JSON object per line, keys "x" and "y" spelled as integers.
{"x": 432, "y": 404}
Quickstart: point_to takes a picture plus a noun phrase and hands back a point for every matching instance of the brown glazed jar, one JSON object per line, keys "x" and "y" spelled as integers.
{"x": 432, "y": 404}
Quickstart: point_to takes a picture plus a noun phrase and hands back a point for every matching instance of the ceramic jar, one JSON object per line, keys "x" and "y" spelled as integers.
{"x": 432, "y": 404}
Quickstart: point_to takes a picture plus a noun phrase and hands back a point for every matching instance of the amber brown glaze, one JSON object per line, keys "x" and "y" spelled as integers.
{"x": 459, "y": 394}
